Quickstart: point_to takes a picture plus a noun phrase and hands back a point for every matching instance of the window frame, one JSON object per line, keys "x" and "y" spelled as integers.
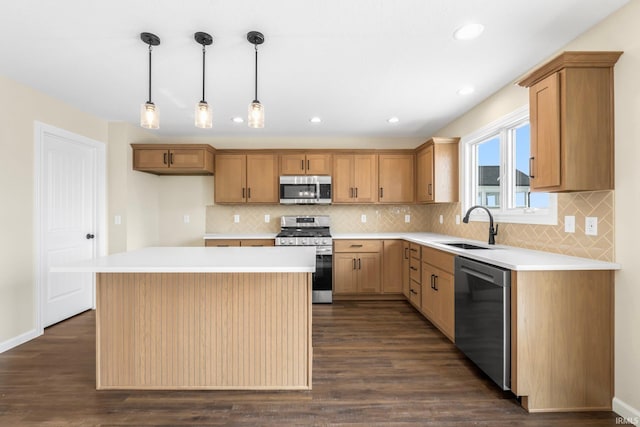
{"x": 501, "y": 127}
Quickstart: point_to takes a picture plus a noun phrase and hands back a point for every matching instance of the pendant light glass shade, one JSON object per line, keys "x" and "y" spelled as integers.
{"x": 203, "y": 112}
{"x": 256, "y": 110}
{"x": 149, "y": 116}
{"x": 256, "y": 115}
{"x": 204, "y": 115}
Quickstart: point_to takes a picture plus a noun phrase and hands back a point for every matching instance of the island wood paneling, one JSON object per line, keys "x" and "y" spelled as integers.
{"x": 203, "y": 331}
{"x": 562, "y": 340}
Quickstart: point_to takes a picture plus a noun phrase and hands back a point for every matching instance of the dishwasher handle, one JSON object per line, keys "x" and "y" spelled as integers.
{"x": 478, "y": 274}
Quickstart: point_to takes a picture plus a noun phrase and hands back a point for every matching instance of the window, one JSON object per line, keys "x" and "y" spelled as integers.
{"x": 496, "y": 173}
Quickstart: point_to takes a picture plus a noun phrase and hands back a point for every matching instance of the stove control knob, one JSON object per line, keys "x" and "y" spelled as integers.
{"x": 316, "y": 241}
{"x": 304, "y": 241}
{"x": 326, "y": 241}
{"x": 292, "y": 241}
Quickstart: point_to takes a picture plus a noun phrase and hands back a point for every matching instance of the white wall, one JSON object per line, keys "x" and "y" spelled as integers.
{"x": 619, "y": 32}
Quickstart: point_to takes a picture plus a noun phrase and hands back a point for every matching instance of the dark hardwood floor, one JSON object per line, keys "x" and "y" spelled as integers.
{"x": 375, "y": 363}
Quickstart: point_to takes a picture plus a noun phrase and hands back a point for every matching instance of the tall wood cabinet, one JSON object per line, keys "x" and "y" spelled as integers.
{"x": 396, "y": 178}
{"x": 572, "y": 122}
{"x": 246, "y": 178}
{"x": 437, "y": 171}
{"x": 355, "y": 178}
{"x": 173, "y": 159}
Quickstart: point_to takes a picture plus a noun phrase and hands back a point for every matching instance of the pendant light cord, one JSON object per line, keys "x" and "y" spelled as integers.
{"x": 203, "y": 55}
{"x": 149, "y": 102}
{"x": 255, "y": 46}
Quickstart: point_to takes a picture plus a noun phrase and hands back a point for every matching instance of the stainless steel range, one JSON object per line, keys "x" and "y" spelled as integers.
{"x": 312, "y": 230}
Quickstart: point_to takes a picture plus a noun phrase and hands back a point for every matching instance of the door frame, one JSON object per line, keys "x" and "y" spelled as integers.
{"x": 40, "y": 130}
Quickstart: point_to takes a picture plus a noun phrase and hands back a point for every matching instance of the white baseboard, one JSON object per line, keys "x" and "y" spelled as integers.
{"x": 20, "y": 339}
{"x": 629, "y": 414}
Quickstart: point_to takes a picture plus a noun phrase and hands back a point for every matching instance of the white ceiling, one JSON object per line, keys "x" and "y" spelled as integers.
{"x": 354, "y": 63}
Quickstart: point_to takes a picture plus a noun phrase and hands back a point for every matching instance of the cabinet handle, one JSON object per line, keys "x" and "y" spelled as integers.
{"x": 354, "y": 263}
{"x": 406, "y": 255}
{"x": 164, "y": 158}
{"x": 413, "y": 250}
{"x": 301, "y": 164}
{"x": 413, "y": 268}
{"x": 171, "y": 158}
{"x": 435, "y": 283}
{"x": 430, "y": 189}
{"x": 356, "y": 246}
{"x": 531, "y": 159}
{"x": 359, "y": 264}
{"x": 413, "y": 292}
{"x": 249, "y": 193}
{"x": 243, "y": 192}
{"x": 431, "y": 281}
{"x": 356, "y": 192}
{"x": 308, "y": 163}
{"x": 381, "y": 192}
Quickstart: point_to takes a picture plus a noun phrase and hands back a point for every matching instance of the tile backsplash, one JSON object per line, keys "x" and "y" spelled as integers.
{"x": 391, "y": 218}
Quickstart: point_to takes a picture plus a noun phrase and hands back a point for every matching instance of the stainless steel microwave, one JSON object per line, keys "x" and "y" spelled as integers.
{"x": 305, "y": 190}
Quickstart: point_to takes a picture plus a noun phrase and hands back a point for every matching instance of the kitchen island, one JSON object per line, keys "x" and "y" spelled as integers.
{"x": 203, "y": 318}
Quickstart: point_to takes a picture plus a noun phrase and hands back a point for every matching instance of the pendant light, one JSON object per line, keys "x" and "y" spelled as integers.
{"x": 203, "y": 113}
{"x": 256, "y": 110}
{"x": 149, "y": 114}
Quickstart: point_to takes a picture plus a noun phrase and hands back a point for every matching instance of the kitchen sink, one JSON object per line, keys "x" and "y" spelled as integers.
{"x": 463, "y": 245}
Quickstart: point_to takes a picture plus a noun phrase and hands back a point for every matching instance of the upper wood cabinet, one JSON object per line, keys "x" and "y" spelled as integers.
{"x": 355, "y": 178}
{"x": 173, "y": 159}
{"x": 305, "y": 164}
{"x": 572, "y": 122}
{"x": 396, "y": 178}
{"x": 246, "y": 178}
{"x": 437, "y": 170}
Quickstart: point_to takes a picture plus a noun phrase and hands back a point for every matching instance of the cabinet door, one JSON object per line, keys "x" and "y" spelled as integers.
{"x": 365, "y": 178}
{"x": 150, "y": 159}
{"x": 424, "y": 161}
{"x": 318, "y": 164}
{"x": 369, "y": 267}
{"x": 221, "y": 242}
{"x": 445, "y": 303}
{"x": 429, "y": 302}
{"x": 342, "y": 183}
{"x": 392, "y": 266}
{"x": 396, "y": 178}
{"x": 344, "y": 273}
{"x": 230, "y": 178}
{"x": 292, "y": 164}
{"x": 405, "y": 269}
{"x": 544, "y": 101}
{"x": 186, "y": 158}
{"x": 262, "y": 178}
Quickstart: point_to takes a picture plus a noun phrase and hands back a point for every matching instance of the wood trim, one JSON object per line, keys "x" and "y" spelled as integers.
{"x": 203, "y": 331}
{"x": 593, "y": 59}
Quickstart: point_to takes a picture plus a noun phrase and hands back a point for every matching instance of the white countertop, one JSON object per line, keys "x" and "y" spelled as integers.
{"x": 202, "y": 260}
{"x": 218, "y": 236}
{"x": 509, "y": 257}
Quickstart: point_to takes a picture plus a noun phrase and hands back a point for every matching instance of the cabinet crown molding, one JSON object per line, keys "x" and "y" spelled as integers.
{"x": 571, "y": 59}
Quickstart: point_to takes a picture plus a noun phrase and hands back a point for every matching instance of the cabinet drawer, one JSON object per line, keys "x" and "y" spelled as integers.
{"x": 440, "y": 259}
{"x": 415, "y": 294}
{"x": 257, "y": 242}
{"x": 414, "y": 250}
{"x": 221, "y": 242}
{"x": 414, "y": 270}
{"x": 357, "y": 245}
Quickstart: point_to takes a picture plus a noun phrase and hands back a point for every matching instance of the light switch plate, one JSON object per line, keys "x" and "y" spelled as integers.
{"x": 236, "y": 218}
{"x": 117, "y": 220}
{"x": 458, "y": 219}
{"x": 267, "y": 217}
{"x": 186, "y": 219}
{"x": 569, "y": 224}
{"x": 591, "y": 226}
{"x": 441, "y": 219}
{"x": 407, "y": 218}
{"x": 363, "y": 218}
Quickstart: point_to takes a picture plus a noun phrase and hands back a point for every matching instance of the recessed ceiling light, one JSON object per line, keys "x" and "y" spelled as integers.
{"x": 468, "y": 32}
{"x": 315, "y": 119}
{"x": 393, "y": 120}
{"x": 467, "y": 90}
{"x": 237, "y": 120}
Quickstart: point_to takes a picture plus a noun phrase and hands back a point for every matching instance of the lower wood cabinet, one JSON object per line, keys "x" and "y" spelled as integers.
{"x": 392, "y": 266}
{"x": 406, "y": 284}
{"x": 438, "y": 293}
{"x": 357, "y": 267}
{"x": 238, "y": 242}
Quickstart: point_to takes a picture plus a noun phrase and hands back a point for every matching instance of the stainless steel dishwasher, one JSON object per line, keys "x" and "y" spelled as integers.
{"x": 482, "y": 313}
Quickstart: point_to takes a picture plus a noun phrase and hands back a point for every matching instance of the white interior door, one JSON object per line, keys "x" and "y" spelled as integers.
{"x": 68, "y": 203}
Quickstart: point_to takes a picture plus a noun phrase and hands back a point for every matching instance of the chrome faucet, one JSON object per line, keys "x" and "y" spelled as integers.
{"x": 492, "y": 231}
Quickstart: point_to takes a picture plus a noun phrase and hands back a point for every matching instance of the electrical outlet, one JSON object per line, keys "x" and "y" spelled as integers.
{"x": 236, "y": 218}
{"x": 570, "y": 224}
{"x": 363, "y": 218}
{"x": 267, "y": 217}
{"x": 591, "y": 226}
{"x": 186, "y": 219}
{"x": 441, "y": 219}
{"x": 117, "y": 220}
{"x": 458, "y": 219}
{"x": 407, "y": 218}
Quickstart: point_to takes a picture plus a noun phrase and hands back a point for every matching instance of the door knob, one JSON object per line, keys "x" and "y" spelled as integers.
{"x": 90, "y": 236}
